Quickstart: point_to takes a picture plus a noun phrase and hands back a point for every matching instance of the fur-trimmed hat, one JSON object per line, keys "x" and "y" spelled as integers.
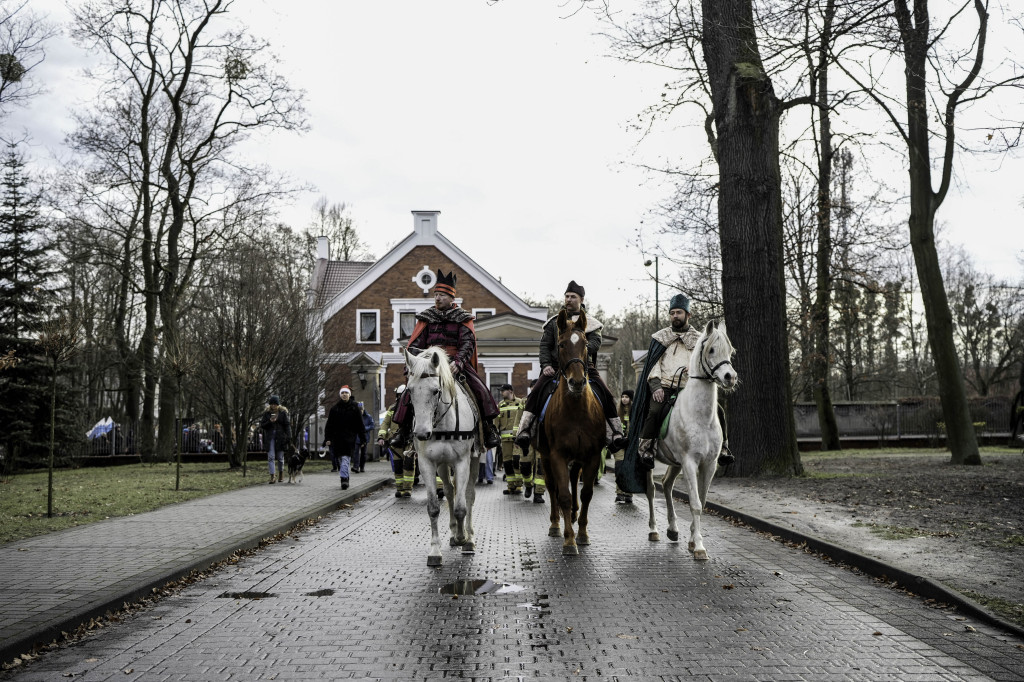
{"x": 446, "y": 283}
{"x": 345, "y": 389}
{"x": 575, "y": 288}
{"x": 679, "y": 301}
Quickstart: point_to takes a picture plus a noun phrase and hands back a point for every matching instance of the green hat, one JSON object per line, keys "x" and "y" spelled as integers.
{"x": 679, "y": 301}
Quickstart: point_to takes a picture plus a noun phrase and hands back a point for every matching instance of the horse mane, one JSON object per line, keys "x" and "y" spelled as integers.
{"x": 443, "y": 370}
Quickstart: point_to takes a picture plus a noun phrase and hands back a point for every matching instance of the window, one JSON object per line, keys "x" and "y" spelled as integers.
{"x": 406, "y": 323}
{"x": 368, "y": 326}
{"x": 483, "y": 313}
{"x": 496, "y": 379}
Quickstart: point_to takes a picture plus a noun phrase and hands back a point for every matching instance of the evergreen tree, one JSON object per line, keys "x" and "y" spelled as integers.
{"x": 24, "y": 277}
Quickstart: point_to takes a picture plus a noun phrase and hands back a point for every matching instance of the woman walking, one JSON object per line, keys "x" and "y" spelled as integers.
{"x": 276, "y": 435}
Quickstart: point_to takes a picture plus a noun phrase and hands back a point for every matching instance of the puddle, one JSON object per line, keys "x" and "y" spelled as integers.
{"x": 245, "y": 595}
{"x": 479, "y": 587}
{"x": 320, "y": 593}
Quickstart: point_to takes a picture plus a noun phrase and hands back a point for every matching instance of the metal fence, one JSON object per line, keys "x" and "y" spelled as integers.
{"x": 902, "y": 419}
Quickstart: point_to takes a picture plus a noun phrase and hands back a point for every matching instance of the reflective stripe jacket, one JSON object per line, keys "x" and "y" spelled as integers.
{"x": 509, "y": 414}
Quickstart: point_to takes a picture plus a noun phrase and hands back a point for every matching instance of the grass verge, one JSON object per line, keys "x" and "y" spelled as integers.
{"x": 82, "y": 496}
{"x": 1003, "y": 608}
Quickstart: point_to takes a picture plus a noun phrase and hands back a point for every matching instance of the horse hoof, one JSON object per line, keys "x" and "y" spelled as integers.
{"x": 452, "y": 542}
{"x": 433, "y": 561}
{"x": 582, "y": 540}
{"x": 469, "y": 548}
{"x": 571, "y": 550}
{"x": 554, "y": 532}
{"x": 654, "y": 536}
{"x": 673, "y": 535}
{"x": 690, "y": 546}
{"x": 700, "y": 555}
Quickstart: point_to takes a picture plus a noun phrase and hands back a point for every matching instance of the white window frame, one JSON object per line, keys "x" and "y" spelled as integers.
{"x": 407, "y": 305}
{"x": 359, "y": 324}
{"x": 492, "y": 311}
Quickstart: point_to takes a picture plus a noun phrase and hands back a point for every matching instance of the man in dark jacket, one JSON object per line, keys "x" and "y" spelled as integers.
{"x": 344, "y": 431}
{"x": 549, "y": 363}
{"x": 276, "y": 435}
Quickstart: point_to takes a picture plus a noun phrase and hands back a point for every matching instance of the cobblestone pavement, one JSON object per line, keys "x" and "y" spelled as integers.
{"x": 352, "y": 598}
{"x": 56, "y": 581}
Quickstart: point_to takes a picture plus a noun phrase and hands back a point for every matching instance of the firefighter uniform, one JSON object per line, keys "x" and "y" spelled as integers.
{"x": 533, "y": 475}
{"x": 403, "y": 464}
{"x": 510, "y": 412}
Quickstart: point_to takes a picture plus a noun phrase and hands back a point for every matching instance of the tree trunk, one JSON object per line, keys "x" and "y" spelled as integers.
{"x": 761, "y": 430}
{"x": 924, "y": 203}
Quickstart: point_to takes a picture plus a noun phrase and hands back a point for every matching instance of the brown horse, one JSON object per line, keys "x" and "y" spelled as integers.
{"x": 572, "y": 435}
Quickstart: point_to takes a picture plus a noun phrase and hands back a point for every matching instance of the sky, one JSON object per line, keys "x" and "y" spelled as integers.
{"x": 511, "y": 120}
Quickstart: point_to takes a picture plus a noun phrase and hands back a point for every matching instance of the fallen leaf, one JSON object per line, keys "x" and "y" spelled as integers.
{"x": 741, "y": 630}
{"x": 970, "y": 628}
{"x": 626, "y": 636}
{"x": 568, "y": 629}
{"x": 129, "y": 671}
{"x": 728, "y": 586}
{"x": 188, "y": 620}
{"x": 91, "y": 660}
{"x": 876, "y": 633}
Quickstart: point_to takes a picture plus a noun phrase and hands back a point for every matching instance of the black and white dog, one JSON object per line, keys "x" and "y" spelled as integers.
{"x": 296, "y": 459}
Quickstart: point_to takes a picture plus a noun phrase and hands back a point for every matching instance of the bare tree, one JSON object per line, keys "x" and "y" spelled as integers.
{"x": 23, "y": 34}
{"x": 177, "y": 98}
{"x": 335, "y": 222}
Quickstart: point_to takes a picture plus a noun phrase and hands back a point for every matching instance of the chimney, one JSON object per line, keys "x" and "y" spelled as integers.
{"x": 323, "y": 248}
{"x": 425, "y": 224}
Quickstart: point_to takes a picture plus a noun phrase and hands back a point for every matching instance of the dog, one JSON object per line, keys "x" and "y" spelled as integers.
{"x": 296, "y": 460}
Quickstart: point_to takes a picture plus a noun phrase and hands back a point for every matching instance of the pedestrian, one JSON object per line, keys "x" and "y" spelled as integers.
{"x": 625, "y": 407}
{"x": 510, "y": 412}
{"x": 486, "y": 468}
{"x": 368, "y": 429}
{"x": 343, "y": 432}
{"x": 275, "y": 427}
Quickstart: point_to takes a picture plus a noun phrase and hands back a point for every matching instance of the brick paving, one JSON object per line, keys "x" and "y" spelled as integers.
{"x": 352, "y": 598}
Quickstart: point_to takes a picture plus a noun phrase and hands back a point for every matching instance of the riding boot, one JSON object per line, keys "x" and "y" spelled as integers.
{"x": 646, "y": 452}
{"x": 280, "y": 473}
{"x": 525, "y": 430}
{"x": 492, "y": 439}
{"x": 725, "y": 457}
{"x": 616, "y": 441}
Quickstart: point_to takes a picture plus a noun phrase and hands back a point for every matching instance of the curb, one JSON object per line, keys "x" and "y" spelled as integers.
{"x": 923, "y": 586}
{"x": 25, "y": 642}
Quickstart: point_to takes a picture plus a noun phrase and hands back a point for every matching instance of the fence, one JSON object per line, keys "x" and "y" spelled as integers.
{"x": 909, "y": 419}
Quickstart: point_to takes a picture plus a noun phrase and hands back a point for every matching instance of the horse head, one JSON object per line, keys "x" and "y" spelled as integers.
{"x": 429, "y": 383}
{"x": 572, "y": 351}
{"x": 713, "y": 361}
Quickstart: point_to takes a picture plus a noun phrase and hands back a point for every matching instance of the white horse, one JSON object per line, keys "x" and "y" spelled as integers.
{"x": 445, "y": 429}
{"x": 694, "y": 437}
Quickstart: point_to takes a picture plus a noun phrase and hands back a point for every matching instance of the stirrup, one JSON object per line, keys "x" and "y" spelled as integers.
{"x": 725, "y": 457}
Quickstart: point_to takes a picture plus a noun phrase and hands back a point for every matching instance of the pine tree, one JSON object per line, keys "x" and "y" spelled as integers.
{"x": 24, "y": 275}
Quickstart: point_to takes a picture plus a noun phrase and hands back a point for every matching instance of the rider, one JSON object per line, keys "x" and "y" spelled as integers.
{"x": 664, "y": 375}
{"x": 549, "y": 362}
{"x": 451, "y": 327}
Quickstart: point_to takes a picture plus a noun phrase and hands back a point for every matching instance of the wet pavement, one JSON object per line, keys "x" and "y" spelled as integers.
{"x": 353, "y": 598}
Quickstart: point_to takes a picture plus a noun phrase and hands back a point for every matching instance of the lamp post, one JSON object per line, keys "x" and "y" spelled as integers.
{"x": 361, "y": 374}
{"x": 647, "y": 263}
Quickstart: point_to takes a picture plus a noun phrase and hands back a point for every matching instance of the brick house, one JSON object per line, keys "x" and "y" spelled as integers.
{"x": 366, "y": 311}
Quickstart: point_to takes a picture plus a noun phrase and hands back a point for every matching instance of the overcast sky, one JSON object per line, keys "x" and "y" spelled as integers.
{"x": 507, "y": 118}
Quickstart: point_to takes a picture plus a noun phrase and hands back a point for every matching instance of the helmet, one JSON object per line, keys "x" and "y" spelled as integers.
{"x": 400, "y": 390}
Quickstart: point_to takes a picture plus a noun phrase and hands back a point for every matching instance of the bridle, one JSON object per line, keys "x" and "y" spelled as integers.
{"x": 705, "y": 366}
{"x": 447, "y": 435}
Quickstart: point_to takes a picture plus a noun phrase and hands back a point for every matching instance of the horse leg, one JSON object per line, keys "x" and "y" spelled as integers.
{"x": 459, "y": 503}
{"x": 696, "y": 544}
{"x": 705, "y": 473}
{"x": 574, "y": 480}
{"x": 469, "y": 547}
{"x": 444, "y": 472}
{"x": 565, "y": 507}
{"x": 652, "y": 522}
{"x": 555, "y": 529}
{"x": 428, "y": 471}
{"x": 589, "y": 476}
{"x": 668, "y": 482}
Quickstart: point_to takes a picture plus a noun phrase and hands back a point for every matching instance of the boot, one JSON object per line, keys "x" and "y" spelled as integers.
{"x": 725, "y": 458}
{"x": 646, "y": 453}
{"x": 617, "y": 441}
{"x": 280, "y": 474}
{"x": 344, "y": 484}
{"x": 538, "y": 498}
{"x": 492, "y": 439}
{"x": 273, "y": 479}
{"x": 525, "y": 430}
{"x": 528, "y": 491}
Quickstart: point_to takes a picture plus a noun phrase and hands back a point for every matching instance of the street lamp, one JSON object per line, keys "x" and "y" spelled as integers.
{"x": 647, "y": 263}
{"x": 362, "y": 377}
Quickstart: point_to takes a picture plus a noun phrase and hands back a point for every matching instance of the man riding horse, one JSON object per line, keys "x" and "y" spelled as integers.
{"x": 451, "y": 327}
{"x": 549, "y": 363}
{"x": 664, "y": 374}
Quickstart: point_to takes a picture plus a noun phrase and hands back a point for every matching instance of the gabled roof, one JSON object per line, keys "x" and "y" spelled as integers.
{"x": 433, "y": 238}
{"x": 337, "y": 276}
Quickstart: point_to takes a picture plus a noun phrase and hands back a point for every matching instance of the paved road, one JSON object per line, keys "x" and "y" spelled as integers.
{"x": 352, "y": 598}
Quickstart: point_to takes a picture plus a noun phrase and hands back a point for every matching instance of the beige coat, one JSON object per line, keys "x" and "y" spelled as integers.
{"x": 672, "y": 368}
